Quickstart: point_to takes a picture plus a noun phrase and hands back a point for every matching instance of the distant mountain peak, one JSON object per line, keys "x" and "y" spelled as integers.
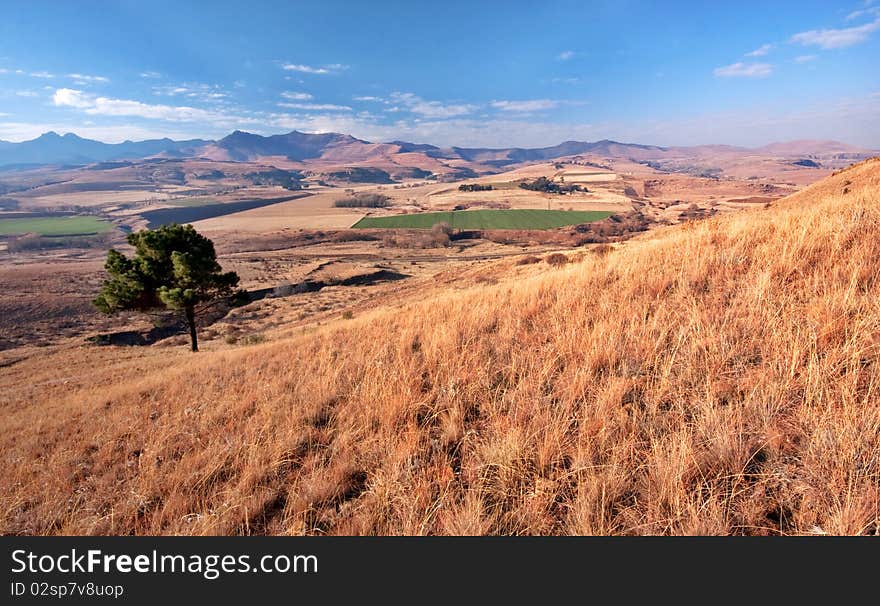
{"x": 342, "y": 149}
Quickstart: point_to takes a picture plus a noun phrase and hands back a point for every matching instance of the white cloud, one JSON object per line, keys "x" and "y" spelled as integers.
{"x": 149, "y": 74}
{"x": 88, "y": 79}
{"x": 316, "y": 106}
{"x": 431, "y": 109}
{"x": 367, "y": 98}
{"x": 171, "y": 91}
{"x": 306, "y": 69}
{"x": 863, "y": 12}
{"x": 41, "y": 74}
{"x": 203, "y": 92}
{"x": 836, "y": 38}
{"x": 524, "y": 106}
{"x": 744, "y": 70}
{"x": 760, "y": 51}
{"x": 804, "y": 58}
{"x": 68, "y": 97}
{"x": 104, "y": 106}
{"x": 311, "y": 69}
{"x": 565, "y": 55}
{"x": 296, "y": 96}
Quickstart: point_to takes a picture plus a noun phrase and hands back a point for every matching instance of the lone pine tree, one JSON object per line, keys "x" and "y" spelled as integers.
{"x": 173, "y": 267}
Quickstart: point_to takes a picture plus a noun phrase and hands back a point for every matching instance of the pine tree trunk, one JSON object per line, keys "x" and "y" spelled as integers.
{"x": 191, "y": 322}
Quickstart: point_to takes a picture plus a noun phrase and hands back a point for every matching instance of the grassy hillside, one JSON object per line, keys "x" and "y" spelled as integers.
{"x": 717, "y": 377}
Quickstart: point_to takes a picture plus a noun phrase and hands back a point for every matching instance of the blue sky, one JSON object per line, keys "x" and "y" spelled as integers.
{"x": 462, "y": 73}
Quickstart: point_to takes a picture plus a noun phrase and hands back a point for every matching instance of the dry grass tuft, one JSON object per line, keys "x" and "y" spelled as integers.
{"x": 720, "y": 377}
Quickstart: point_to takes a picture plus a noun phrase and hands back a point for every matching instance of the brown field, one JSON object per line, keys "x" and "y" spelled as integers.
{"x": 312, "y": 212}
{"x": 716, "y": 377}
{"x": 92, "y": 198}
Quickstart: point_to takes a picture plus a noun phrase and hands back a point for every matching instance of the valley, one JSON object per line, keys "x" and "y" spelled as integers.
{"x": 480, "y": 300}
{"x": 275, "y": 214}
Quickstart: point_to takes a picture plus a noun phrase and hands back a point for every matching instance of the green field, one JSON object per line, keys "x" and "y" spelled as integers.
{"x": 487, "y": 219}
{"x": 54, "y": 226}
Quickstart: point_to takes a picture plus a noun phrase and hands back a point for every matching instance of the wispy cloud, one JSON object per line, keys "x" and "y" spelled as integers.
{"x": 150, "y": 74}
{"x": 804, "y": 58}
{"x": 430, "y": 109}
{"x": 316, "y": 107}
{"x": 311, "y": 69}
{"x": 211, "y": 93}
{"x": 565, "y": 55}
{"x": 837, "y": 38}
{"x": 525, "y": 106}
{"x": 367, "y": 98}
{"x": 104, "y": 106}
{"x": 306, "y": 69}
{"x": 744, "y": 70}
{"x": 863, "y": 12}
{"x": 83, "y": 78}
{"x": 294, "y": 96}
{"x": 760, "y": 51}
{"x": 855, "y": 15}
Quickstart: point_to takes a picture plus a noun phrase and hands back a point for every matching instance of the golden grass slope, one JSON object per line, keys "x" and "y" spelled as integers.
{"x": 717, "y": 377}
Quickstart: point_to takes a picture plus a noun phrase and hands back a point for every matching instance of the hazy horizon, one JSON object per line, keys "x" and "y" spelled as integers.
{"x": 643, "y": 143}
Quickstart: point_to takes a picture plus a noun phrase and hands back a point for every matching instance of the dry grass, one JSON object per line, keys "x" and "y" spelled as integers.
{"x": 719, "y": 377}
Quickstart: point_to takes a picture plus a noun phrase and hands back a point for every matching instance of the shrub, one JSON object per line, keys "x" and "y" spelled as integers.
{"x": 556, "y": 259}
{"x": 363, "y": 201}
{"x": 528, "y": 260}
{"x": 252, "y": 339}
{"x": 440, "y": 233}
{"x": 551, "y": 187}
{"x": 474, "y": 187}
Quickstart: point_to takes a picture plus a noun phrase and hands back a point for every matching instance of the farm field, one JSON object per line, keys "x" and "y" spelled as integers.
{"x": 487, "y": 219}
{"x": 55, "y": 226}
{"x": 198, "y": 212}
{"x": 92, "y": 198}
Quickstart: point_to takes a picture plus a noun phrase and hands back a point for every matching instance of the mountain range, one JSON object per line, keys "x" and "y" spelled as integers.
{"x": 336, "y": 148}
